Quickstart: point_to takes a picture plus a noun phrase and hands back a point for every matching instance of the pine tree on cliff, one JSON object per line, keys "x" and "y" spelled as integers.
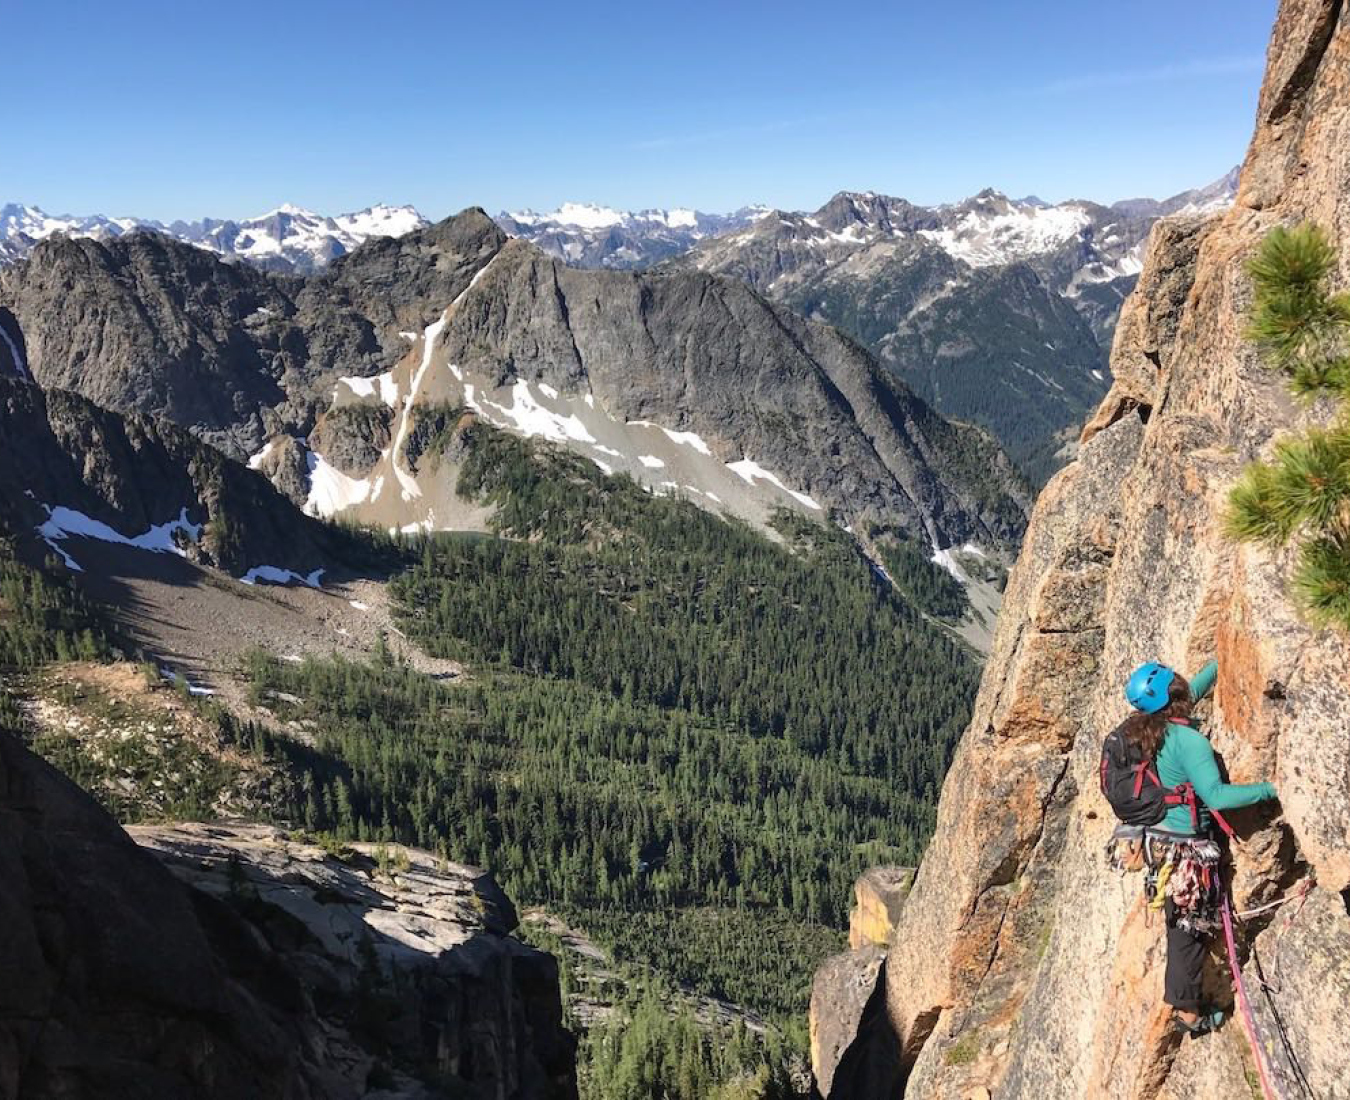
{"x": 1302, "y": 494}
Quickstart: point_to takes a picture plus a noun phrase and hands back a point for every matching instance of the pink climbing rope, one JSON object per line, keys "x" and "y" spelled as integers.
{"x": 1248, "y": 1022}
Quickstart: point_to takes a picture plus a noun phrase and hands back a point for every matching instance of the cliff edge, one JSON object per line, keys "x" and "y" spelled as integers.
{"x": 1020, "y": 966}
{"x": 231, "y": 961}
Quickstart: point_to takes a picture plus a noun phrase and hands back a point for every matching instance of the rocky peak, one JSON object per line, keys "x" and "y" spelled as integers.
{"x": 145, "y": 323}
{"x": 1021, "y": 966}
{"x": 872, "y": 211}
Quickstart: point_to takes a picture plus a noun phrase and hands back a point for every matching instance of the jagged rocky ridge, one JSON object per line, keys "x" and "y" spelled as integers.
{"x": 234, "y": 354}
{"x": 230, "y": 961}
{"x": 765, "y": 409}
{"x": 994, "y": 310}
{"x": 1020, "y": 965}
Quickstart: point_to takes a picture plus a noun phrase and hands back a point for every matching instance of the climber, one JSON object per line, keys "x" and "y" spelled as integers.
{"x": 1167, "y": 821}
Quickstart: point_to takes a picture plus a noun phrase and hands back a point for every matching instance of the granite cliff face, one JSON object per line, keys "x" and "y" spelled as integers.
{"x": 230, "y": 961}
{"x": 1020, "y": 966}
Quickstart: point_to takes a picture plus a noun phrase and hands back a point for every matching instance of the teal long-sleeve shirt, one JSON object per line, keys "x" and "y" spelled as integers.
{"x": 1187, "y": 757}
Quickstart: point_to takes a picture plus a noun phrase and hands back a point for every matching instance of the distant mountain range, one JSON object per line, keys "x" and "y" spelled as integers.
{"x": 285, "y": 239}
{"x": 347, "y": 387}
{"x": 291, "y": 238}
{"x": 998, "y": 311}
{"x": 598, "y": 236}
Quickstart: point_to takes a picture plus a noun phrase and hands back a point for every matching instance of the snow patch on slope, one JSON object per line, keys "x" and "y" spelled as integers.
{"x": 330, "y": 490}
{"x": 63, "y": 523}
{"x": 527, "y": 416}
{"x": 271, "y": 574}
{"x": 750, "y": 471}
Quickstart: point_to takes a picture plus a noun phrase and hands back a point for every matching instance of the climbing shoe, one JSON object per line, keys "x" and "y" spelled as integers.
{"x": 1203, "y": 1026}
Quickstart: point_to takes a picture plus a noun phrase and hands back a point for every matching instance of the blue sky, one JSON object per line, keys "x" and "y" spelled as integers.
{"x": 185, "y": 109}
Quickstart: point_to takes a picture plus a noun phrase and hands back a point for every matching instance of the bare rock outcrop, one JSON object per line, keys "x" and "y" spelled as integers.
{"x": 878, "y": 896}
{"x": 1020, "y": 965}
{"x": 277, "y": 972}
{"x": 853, "y": 1049}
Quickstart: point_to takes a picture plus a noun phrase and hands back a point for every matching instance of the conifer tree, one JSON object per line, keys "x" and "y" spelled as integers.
{"x": 1302, "y": 495}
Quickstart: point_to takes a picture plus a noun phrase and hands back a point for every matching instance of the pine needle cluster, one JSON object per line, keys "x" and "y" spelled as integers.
{"x": 1303, "y": 493}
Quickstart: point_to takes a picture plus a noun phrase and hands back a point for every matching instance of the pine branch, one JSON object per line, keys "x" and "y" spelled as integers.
{"x": 1322, "y": 580}
{"x": 1254, "y": 510}
{"x": 1298, "y": 325}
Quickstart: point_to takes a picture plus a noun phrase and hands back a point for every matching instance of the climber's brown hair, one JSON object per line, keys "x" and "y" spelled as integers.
{"x": 1146, "y": 731}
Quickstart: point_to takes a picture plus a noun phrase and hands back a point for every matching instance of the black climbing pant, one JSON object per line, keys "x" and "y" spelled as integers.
{"x": 1185, "y": 957}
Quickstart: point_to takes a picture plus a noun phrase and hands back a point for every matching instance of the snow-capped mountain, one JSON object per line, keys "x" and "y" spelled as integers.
{"x": 286, "y": 239}
{"x": 1218, "y": 195}
{"x": 291, "y": 238}
{"x": 995, "y": 310}
{"x": 994, "y": 229}
{"x": 23, "y": 226}
{"x": 600, "y": 236}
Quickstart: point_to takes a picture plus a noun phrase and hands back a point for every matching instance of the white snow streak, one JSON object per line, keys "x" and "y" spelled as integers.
{"x": 19, "y": 365}
{"x": 944, "y": 558}
{"x": 749, "y": 470}
{"x": 271, "y": 574}
{"x": 429, "y": 335}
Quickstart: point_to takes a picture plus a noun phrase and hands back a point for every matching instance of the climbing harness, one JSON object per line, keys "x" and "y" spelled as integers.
{"x": 1183, "y": 868}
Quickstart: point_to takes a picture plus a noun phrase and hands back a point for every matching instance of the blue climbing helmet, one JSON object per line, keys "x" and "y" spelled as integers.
{"x": 1147, "y": 688}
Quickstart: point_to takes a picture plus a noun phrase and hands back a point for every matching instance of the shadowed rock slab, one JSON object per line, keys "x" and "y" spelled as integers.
{"x": 853, "y": 1050}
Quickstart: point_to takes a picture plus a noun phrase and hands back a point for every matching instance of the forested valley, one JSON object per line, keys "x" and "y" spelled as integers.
{"x": 675, "y": 733}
